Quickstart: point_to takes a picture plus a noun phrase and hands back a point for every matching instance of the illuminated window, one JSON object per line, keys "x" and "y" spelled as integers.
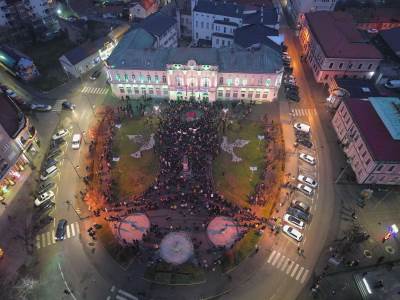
{"x": 133, "y": 78}
{"x": 221, "y": 80}
{"x": 148, "y": 78}
{"x": 237, "y": 81}
{"x": 229, "y": 81}
{"x": 156, "y": 78}
{"x": 220, "y": 94}
{"x": 268, "y": 82}
{"x": 244, "y": 82}
{"x": 117, "y": 77}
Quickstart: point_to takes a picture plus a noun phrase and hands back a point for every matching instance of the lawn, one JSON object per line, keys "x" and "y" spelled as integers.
{"x": 235, "y": 180}
{"x": 46, "y": 55}
{"x": 134, "y": 175}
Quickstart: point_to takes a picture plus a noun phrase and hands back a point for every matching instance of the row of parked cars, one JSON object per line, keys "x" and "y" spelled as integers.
{"x": 298, "y": 214}
{"x": 303, "y": 135}
{"x": 289, "y": 81}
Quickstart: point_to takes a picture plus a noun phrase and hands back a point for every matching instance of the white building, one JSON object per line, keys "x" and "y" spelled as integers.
{"x": 142, "y": 9}
{"x": 195, "y": 73}
{"x": 216, "y": 21}
{"x": 296, "y": 8}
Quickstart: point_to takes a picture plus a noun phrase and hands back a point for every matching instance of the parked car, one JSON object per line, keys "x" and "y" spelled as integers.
{"x": 95, "y": 75}
{"x": 288, "y": 69}
{"x": 61, "y": 228}
{"x": 307, "y": 158}
{"x": 54, "y": 154}
{"x": 50, "y": 172}
{"x": 293, "y": 221}
{"x": 40, "y": 107}
{"x": 44, "y": 197}
{"x": 302, "y": 127}
{"x": 49, "y": 162}
{"x": 57, "y": 143}
{"x": 47, "y": 205}
{"x": 302, "y": 135}
{"x": 305, "y": 189}
{"x": 10, "y": 93}
{"x": 76, "y": 141}
{"x": 293, "y": 96}
{"x": 393, "y": 84}
{"x": 293, "y": 233}
{"x": 301, "y": 206}
{"x": 305, "y": 142}
{"x": 45, "y": 186}
{"x": 298, "y": 214}
{"x": 59, "y": 134}
{"x": 68, "y": 105}
{"x": 308, "y": 180}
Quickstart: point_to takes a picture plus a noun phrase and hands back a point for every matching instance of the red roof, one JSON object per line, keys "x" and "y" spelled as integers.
{"x": 377, "y": 138}
{"x": 338, "y": 36}
{"x": 147, "y": 4}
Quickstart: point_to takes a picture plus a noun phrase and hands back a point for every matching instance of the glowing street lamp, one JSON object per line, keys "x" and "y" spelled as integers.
{"x": 59, "y": 11}
{"x": 392, "y": 230}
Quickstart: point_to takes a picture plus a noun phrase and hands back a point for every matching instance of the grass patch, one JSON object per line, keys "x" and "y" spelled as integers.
{"x": 241, "y": 250}
{"x": 134, "y": 175}
{"x": 235, "y": 180}
{"x": 46, "y": 55}
{"x": 164, "y": 273}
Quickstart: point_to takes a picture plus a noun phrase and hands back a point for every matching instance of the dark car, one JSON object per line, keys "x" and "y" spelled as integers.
{"x": 302, "y": 135}
{"x": 55, "y": 153}
{"x": 95, "y": 75}
{"x": 57, "y": 143}
{"x": 68, "y": 105}
{"x": 304, "y": 142}
{"x": 293, "y": 96}
{"x": 49, "y": 162}
{"x": 288, "y": 69}
{"x": 61, "y": 228}
{"x": 47, "y": 205}
{"x": 298, "y": 214}
{"x": 44, "y": 187}
{"x": 46, "y": 220}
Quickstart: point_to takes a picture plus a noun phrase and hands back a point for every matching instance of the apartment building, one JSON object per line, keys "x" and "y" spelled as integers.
{"x": 370, "y": 133}
{"x": 24, "y": 18}
{"x": 297, "y": 8}
{"x": 334, "y": 48}
{"x": 214, "y": 22}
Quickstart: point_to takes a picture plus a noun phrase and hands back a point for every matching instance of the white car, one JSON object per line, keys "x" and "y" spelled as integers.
{"x": 59, "y": 134}
{"x": 44, "y": 197}
{"x": 293, "y": 233}
{"x": 307, "y": 180}
{"x": 11, "y": 93}
{"x": 307, "y": 158}
{"x": 305, "y": 189}
{"x": 293, "y": 221}
{"x": 302, "y": 127}
{"x": 76, "y": 141}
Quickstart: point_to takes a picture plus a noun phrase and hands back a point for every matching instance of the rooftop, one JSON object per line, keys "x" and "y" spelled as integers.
{"x": 264, "y": 15}
{"x": 137, "y": 38}
{"x": 388, "y": 109}
{"x": 157, "y": 24}
{"x": 263, "y": 60}
{"x": 250, "y": 35}
{"x": 392, "y": 39}
{"x": 222, "y": 8}
{"x": 378, "y": 139}
{"x": 85, "y": 50}
{"x": 358, "y": 88}
{"x": 11, "y": 117}
{"x": 338, "y": 36}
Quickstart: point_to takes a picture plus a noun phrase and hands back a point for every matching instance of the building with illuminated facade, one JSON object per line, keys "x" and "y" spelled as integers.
{"x": 195, "y": 73}
{"x": 17, "y": 138}
{"x": 334, "y": 48}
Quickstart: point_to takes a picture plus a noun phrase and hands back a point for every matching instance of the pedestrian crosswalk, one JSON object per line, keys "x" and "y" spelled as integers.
{"x": 303, "y": 112}
{"x": 58, "y": 105}
{"x": 46, "y": 239}
{"x": 119, "y": 294}
{"x": 287, "y": 266}
{"x": 94, "y": 90}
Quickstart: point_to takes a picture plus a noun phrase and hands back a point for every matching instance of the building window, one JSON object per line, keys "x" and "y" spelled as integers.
{"x": 117, "y": 77}
{"x": 143, "y": 91}
{"x": 330, "y": 65}
{"x": 164, "y": 79}
{"x": 217, "y": 41}
{"x": 265, "y": 95}
{"x": 129, "y": 90}
{"x": 156, "y": 78}
{"x": 148, "y": 78}
{"x": 237, "y": 81}
{"x": 126, "y": 77}
{"x": 244, "y": 82}
{"x": 151, "y": 91}
{"x": 178, "y": 81}
{"x": 326, "y": 76}
{"x": 250, "y": 95}
{"x": 359, "y": 66}
{"x": 378, "y": 169}
{"x": 391, "y": 169}
{"x": 197, "y": 24}
{"x": 229, "y": 82}
{"x": 221, "y": 80}
{"x": 133, "y": 78}
{"x": 220, "y": 94}
{"x": 363, "y": 155}
{"x": 121, "y": 90}
{"x": 268, "y": 82}
{"x": 369, "y": 66}
{"x": 368, "y": 161}
{"x": 223, "y": 42}
{"x": 243, "y": 94}
{"x": 158, "y": 92}
{"x": 227, "y": 94}
{"x": 257, "y": 95}
{"x": 340, "y": 65}
{"x": 165, "y": 92}
{"x": 350, "y": 66}
{"x": 202, "y": 24}
{"x": 235, "y": 94}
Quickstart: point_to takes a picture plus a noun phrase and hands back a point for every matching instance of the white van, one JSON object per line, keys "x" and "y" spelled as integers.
{"x": 76, "y": 141}
{"x": 49, "y": 172}
{"x": 302, "y": 127}
{"x": 392, "y": 84}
